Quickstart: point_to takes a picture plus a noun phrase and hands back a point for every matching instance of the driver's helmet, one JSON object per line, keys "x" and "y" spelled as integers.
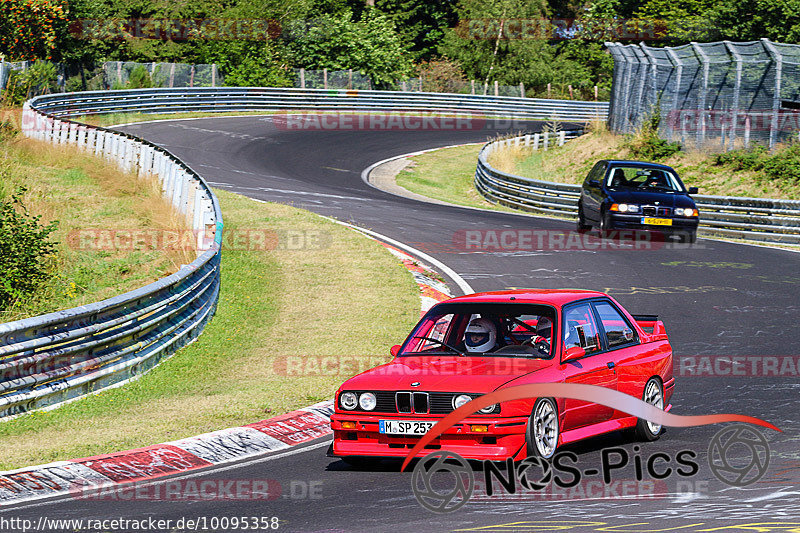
{"x": 480, "y": 336}
{"x": 544, "y": 327}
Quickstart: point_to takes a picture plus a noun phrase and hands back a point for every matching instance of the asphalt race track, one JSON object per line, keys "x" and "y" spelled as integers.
{"x": 716, "y": 299}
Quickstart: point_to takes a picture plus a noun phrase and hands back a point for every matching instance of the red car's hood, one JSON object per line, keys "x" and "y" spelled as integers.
{"x": 445, "y": 373}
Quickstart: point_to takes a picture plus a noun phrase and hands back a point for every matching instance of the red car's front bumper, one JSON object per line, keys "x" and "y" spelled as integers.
{"x": 505, "y": 437}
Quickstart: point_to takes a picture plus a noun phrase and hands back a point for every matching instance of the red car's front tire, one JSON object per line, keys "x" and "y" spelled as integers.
{"x": 541, "y": 435}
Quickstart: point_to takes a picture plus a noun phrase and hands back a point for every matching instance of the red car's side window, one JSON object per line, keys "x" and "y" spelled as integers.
{"x": 618, "y": 332}
{"x": 580, "y": 329}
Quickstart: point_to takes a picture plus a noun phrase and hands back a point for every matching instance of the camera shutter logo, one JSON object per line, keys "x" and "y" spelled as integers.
{"x": 454, "y": 493}
{"x": 738, "y": 455}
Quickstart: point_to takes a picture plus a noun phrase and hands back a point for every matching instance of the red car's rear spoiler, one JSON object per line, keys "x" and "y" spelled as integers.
{"x": 652, "y": 326}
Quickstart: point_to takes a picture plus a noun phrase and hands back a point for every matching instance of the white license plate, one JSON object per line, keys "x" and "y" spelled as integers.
{"x": 404, "y": 427}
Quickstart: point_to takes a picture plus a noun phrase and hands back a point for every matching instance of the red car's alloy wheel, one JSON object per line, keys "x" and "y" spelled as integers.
{"x": 654, "y": 395}
{"x": 542, "y": 434}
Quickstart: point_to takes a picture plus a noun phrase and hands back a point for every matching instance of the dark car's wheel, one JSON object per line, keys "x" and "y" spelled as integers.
{"x": 605, "y": 224}
{"x": 541, "y": 435}
{"x": 654, "y": 395}
{"x": 583, "y": 227}
{"x": 690, "y": 237}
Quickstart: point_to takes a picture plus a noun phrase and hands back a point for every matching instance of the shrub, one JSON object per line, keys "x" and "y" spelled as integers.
{"x": 39, "y": 78}
{"x": 140, "y": 78}
{"x": 647, "y": 145}
{"x": 784, "y": 165}
{"x": 743, "y": 159}
{"x": 26, "y": 251}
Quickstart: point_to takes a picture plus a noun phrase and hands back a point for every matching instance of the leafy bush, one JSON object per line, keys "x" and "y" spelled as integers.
{"x": 26, "y": 251}
{"x": 440, "y": 75}
{"x": 647, "y": 145}
{"x": 743, "y": 159}
{"x": 8, "y": 130}
{"x": 784, "y": 164}
{"x": 140, "y": 78}
{"x": 39, "y": 78}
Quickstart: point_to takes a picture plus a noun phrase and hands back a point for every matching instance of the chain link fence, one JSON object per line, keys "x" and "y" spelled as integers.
{"x": 118, "y": 74}
{"x": 331, "y": 79}
{"x": 6, "y": 67}
{"x": 716, "y": 96}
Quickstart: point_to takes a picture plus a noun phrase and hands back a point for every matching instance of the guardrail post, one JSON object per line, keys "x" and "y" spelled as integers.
{"x": 562, "y": 136}
{"x": 81, "y": 137}
{"x": 177, "y": 188}
{"x": 546, "y": 140}
{"x": 528, "y": 139}
{"x": 63, "y": 129}
{"x": 89, "y": 139}
{"x": 99, "y": 137}
{"x": 197, "y": 212}
{"x": 535, "y": 141}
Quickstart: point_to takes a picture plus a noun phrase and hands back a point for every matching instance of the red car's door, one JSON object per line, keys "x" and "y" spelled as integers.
{"x": 631, "y": 361}
{"x": 580, "y": 328}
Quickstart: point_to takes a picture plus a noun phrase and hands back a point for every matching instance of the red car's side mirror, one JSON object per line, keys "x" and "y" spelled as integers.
{"x": 395, "y": 350}
{"x": 576, "y": 352}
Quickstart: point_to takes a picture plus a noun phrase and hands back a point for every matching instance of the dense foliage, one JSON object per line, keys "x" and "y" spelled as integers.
{"x": 388, "y": 40}
{"x": 26, "y": 250}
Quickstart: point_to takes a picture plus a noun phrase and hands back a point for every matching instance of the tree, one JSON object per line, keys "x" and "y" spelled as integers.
{"x": 29, "y": 28}
{"x": 370, "y": 46}
{"x": 421, "y": 23}
{"x": 750, "y": 20}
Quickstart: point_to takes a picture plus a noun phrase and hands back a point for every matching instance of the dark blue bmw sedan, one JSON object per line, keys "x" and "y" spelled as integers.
{"x": 634, "y": 195}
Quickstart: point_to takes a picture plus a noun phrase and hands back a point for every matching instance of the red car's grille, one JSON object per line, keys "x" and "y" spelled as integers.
{"x": 413, "y": 402}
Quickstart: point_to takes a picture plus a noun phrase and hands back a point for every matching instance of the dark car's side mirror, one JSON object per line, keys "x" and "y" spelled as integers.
{"x": 693, "y": 190}
{"x": 394, "y": 350}
{"x": 593, "y": 183}
{"x": 576, "y": 352}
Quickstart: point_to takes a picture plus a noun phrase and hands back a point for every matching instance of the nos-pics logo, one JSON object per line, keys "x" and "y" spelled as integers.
{"x": 443, "y": 481}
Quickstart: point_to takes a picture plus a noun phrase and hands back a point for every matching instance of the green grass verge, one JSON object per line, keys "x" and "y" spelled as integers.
{"x": 571, "y": 162}
{"x": 446, "y": 174}
{"x": 86, "y": 195}
{"x": 349, "y": 297}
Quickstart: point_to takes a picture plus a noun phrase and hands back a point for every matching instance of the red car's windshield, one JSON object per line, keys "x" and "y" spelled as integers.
{"x": 502, "y": 329}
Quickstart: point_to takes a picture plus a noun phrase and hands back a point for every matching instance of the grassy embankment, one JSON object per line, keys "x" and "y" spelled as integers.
{"x": 447, "y": 174}
{"x": 309, "y": 302}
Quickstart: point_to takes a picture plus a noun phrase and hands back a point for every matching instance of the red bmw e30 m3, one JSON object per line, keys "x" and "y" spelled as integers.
{"x": 475, "y": 344}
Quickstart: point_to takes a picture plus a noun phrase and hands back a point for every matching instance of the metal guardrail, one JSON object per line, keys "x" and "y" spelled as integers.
{"x": 50, "y": 359}
{"x": 758, "y": 219}
{"x": 227, "y": 99}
